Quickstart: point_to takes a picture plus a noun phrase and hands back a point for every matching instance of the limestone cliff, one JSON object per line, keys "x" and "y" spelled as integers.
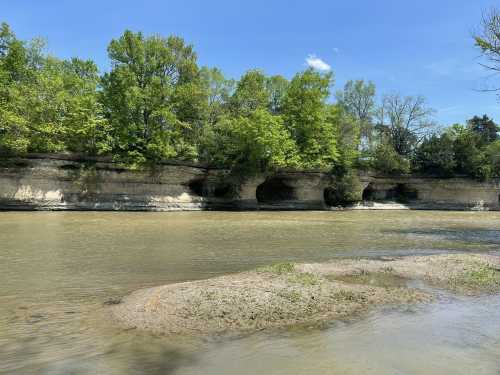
{"x": 68, "y": 182}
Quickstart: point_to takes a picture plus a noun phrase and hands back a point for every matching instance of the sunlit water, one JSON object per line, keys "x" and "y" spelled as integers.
{"x": 57, "y": 270}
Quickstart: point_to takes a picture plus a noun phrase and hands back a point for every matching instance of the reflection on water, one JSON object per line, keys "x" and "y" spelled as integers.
{"x": 464, "y": 235}
{"x": 57, "y": 269}
{"x": 458, "y": 337}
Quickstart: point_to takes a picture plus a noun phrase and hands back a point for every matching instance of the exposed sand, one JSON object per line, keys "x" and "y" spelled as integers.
{"x": 287, "y": 294}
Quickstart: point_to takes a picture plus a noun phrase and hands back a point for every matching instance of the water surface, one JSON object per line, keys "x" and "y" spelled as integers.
{"x": 57, "y": 270}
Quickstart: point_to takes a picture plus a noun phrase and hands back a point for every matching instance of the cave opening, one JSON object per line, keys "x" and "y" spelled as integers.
{"x": 197, "y": 187}
{"x": 369, "y": 192}
{"x": 402, "y": 193}
{"x": 275, "y": 189}
{"x": 224, "y": 190}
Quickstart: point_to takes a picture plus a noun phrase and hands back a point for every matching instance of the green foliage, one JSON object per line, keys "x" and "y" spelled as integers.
{"x": 276, "y": 87}
{"x": 219, "y": 91}
{"x": 346, "y": 189}
{"x": 492, "y": 153}
{"x": 13, "y": 63}
{"x": 306, "y": 115}
{"x": 436, "y": 155}
{"x": 255, "y": 143}
{"x": 149, "y": 96}
{"x": 470, "y": 158}
{"x": 46, "y": 104}
{"x": 388, "y": 161}
{"x": 250, "y": 94}
{"x": 156, "y": 104}
{"x": 358, "y": 100}
{"x": 461, "y": 150}
{"x": 278, "y": 268}
{"x": 347, "y": 133}
{"x": 485, "y": 128}
{"x": 62, "y": 109}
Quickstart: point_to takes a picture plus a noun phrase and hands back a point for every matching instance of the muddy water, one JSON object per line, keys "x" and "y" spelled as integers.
{"x": 57, "y": 270}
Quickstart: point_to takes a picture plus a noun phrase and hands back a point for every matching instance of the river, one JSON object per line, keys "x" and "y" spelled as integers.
{"x": 58, "y": 269}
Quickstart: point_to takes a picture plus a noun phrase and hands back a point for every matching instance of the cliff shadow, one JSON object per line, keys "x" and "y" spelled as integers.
{"x": 275, "y": 190}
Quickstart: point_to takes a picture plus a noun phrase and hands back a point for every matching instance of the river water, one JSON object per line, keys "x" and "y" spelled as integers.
{"x": 58, "y": 269}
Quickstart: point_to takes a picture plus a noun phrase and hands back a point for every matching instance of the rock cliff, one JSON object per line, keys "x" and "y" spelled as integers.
{"x": 68, "y": 182}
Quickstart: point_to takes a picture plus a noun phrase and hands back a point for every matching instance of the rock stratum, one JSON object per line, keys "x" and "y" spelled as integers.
{"x": 72, "y": 182}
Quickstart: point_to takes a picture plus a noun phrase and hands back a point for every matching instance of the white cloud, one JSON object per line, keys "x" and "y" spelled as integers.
{"x": 336, "y": 50}
{"x": 316, "y": 63}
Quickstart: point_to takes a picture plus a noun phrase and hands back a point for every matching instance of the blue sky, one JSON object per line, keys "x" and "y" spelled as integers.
{"x": 419, "y": 47}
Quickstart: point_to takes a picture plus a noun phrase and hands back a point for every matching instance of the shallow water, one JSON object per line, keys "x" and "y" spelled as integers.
{"x": 57, "y": 270}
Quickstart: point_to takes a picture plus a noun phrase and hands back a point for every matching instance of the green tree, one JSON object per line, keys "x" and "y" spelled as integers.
{"x": 145, "y": 97}
{"x": 358, "y": 100}
{"x": 485, "y": 128}
{"x": 276, "y": 87}
{"x": 61, "y": 108}
{"x": 345, "y": 189}
{"x": 219, "y": 91}
{"x": 13, "y": 68}
{"x": 306, "y": 115}
{"x": 492, "y": 153}
{"x": 347, "y": 133}
{"x": 436, "y": 155}
{"x": 471, "y": 159}
{"x": 250, "y": 94}
{"x": 255, "y": 143}
{"x": 387, "y": 160}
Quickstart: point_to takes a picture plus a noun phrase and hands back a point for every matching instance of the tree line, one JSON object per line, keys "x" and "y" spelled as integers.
{"x": 156, "y": 103}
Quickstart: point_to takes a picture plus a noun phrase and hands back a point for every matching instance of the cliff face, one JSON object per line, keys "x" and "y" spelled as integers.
{"x": 58, "y": 182}
{"x": 62, "y": 184}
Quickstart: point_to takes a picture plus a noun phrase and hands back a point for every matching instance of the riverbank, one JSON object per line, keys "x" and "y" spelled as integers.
{"x": 56, "y": 182}
{"x": 288, "y": 294}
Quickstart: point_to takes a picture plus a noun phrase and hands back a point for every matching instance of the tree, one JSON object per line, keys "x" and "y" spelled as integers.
{"x": 387, "y": 160}
{"x": 60, "y": 107}
{"x": 306, "y": 115}
{"x": 276, "y": 87}
{"x": 488, "y": 41}
{"x": 13, "y": 64}
{"x": 254, "y": 143}
{"x": 358, "y": 100}
{"x": 219, "y": 91}
{"x": 250, "y": 94}
{"x": 144, "y": 96}
{"x": 345, "y": 189}
{"x": 46, "y": 104}
{"x": 404, "y": 121}
{"x": 485, "y": 128}
{"x": 471, "y": 160}
{"x": 492, "y": 153}
{"x": 436, "y": 155}
{"x": 347, "y": 135}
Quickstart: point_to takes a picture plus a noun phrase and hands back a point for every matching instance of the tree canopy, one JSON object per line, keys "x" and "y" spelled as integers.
{"x": 156, "y": 103}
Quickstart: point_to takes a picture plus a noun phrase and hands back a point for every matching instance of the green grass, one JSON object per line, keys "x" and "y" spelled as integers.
{"x": 480, "y": 277}
{"x": 483, "y": 276}
{"x": 293, "y": 276}
{"x": 304, "y": 278}
{"x": 279, "y": 268}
